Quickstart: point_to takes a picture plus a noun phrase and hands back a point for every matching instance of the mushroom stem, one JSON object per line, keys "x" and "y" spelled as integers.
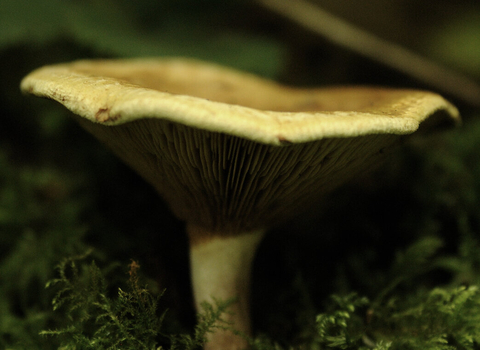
{"x": 220, "y": 268}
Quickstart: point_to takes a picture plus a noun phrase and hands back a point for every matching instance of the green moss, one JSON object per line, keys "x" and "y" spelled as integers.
{"x": 440, "y": 318}
{"x": 130, "y": 319}
{"x": 97, "y": 321}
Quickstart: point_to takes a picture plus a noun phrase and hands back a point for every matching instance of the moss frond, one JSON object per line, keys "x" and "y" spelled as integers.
{"x": 131, "y": 319}
{"x": 340, "y": 328}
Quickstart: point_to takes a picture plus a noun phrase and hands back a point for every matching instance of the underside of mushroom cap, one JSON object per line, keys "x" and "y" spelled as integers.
{"x": 230, "y": 184}
{"x": 229, "y": 151}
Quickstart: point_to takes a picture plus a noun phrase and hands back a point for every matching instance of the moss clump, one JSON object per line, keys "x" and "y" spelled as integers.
{"x": 441, "y": 318}
{"x": 131, "y": 319}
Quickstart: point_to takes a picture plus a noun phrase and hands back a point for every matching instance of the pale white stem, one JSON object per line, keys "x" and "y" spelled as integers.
{"x": 221, "y": 268}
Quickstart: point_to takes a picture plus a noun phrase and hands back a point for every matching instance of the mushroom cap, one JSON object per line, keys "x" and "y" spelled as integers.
{"x": 230, "y": 151}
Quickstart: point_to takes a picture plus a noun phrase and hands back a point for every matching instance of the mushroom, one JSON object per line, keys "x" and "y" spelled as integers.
{"x": 231, "y": 153}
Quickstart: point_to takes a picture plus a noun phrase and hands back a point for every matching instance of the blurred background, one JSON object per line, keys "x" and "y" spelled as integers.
{"x": 62, "y": 192}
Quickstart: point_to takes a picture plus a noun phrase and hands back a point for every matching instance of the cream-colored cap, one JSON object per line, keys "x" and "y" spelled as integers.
{"x": 230, "y": 151}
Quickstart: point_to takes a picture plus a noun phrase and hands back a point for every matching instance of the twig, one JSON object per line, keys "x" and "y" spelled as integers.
{"x": 347, "y": 35}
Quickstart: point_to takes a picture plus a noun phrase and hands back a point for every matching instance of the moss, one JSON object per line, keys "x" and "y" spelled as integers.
{"x": 130, "y": 319}
{"x": 444, "y": 318}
